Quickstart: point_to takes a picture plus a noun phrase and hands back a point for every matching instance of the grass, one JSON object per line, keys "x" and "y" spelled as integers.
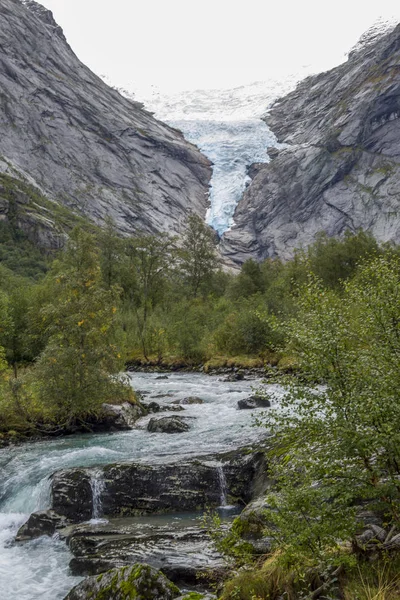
{"x": 368, "y": 580}
{"x": 378, "y": 580}
{"x": 172, "y": 361}
{"x": 268, "y": 582}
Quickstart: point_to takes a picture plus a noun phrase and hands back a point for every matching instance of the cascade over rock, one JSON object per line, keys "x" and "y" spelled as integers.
{"x": 140, "y": 488}
{"x": 340, "y": 169}
{"x": 81, "y": 144}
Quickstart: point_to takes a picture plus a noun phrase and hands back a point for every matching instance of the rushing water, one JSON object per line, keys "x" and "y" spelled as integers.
{"x": 39, "y": 569}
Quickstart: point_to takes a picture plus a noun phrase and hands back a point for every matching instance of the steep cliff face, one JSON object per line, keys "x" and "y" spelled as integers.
{"x": 85, "y": 146}
{"x": 341, "y": 167}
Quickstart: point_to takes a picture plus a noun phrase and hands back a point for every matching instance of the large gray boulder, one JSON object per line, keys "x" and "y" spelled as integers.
{"x": 140, "y": 488}
{"x": 89, "y": 149}
{"x": 254, "y": 401}
{"x": 181, "y": 548}
{"x": 120, "y": 417}
{"x": 174, "y": 424}
{"x": 137, "y": 582}
{"x": 191, "y": 400}
{"x": 340, "y": 166}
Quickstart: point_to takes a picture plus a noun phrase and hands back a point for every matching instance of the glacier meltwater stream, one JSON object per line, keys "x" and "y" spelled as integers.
{"x": 38, "y": 569}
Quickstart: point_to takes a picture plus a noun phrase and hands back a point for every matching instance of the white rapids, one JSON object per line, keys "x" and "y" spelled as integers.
{"x": 38, "y": 570}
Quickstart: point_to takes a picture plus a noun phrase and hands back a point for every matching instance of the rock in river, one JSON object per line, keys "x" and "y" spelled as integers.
{"x": 141, "y": 488}
{"x": 180, "y": 547}
{"x": 191, "y": 400}
{"x": 120, "y": 417}
{"x": 44, "y": 522}
{"x": 172, "y": 424}
{"x": 139, "y": 581}
{"x": 254, "y": 402}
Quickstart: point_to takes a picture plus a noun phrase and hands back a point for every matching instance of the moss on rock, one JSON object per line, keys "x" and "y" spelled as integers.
{"x": 138, "y": 582}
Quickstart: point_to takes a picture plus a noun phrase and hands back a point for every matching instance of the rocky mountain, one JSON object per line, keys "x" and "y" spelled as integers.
{"x": 70, "y": 145}
{"x": 339, "y": 168}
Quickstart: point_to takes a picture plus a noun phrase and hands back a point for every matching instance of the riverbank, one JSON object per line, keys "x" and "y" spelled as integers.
{"x": 230, "y": 368}
{"x": 272, "y": 364}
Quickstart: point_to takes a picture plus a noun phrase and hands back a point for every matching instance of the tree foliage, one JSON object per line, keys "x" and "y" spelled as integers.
{"x": 73, "y": 374}
{"x": 198, "y": 260}
{"x": 337, "y": 431}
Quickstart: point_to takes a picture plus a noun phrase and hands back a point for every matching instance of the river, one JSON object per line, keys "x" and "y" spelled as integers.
{"x": 39, "y": 569}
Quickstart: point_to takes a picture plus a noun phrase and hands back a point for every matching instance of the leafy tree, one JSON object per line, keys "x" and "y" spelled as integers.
{"x": 17, "y": 340}
{"x": 335, "y": 260}
{"x": 337, "y": 446}
{"x": 73, "y": 376}
{"x": 250, "y": 281}
{"x": 198, "y": 260}
{"x": 111, "y": 249}
{"x": 151, "y": 260}
{"x": 188, "y": 328}
{"x": 246, "y": 329}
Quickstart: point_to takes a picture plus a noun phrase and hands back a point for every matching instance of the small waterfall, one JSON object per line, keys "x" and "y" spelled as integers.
{"x": 222, "y": 485}
{"x": 97, "y": 484}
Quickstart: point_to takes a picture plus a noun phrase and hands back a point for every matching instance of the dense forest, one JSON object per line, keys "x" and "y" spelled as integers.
{"x": 69, "y": 321}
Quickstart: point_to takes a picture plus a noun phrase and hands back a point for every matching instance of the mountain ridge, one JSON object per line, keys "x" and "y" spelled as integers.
{"x": 84, "y": 145}
{"x": 340, "y": 167}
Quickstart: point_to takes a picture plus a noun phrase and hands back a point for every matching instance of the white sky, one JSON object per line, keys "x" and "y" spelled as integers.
{"x": 181, "y": 44}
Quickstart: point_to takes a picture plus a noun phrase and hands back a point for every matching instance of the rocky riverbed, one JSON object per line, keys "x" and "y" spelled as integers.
{"x": 112, "y": 500}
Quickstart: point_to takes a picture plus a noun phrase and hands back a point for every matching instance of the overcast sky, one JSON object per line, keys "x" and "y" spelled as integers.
{"x": 178, "y": 44}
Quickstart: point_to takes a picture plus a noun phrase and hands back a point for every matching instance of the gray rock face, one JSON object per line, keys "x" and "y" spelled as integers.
{"x": 136, "y": 488}
{"x": 137, "y": 581}
{"x": 83, "y": 144}
{"x": 341, "y": 167}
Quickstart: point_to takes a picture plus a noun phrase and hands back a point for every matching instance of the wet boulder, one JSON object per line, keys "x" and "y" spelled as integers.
{"x": 188, "y": 400}
{"x": 143, "y": 488}
{"x": 72, "y": 495}
{"x": 172, "y": 408}
{"x": 139, "y": 581}
{"x": 173, "y": 424}
{"x": 136, "y": 488}
{"x": 192, "y": 400}
{"x": 152, "y": 407}
{"x": 254, "y": 401}
{"x": 181, "y": 548}
{"x": 119, "y": 417}
{"x": 238, "y": 376}
{"x": 44, "y": 522}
